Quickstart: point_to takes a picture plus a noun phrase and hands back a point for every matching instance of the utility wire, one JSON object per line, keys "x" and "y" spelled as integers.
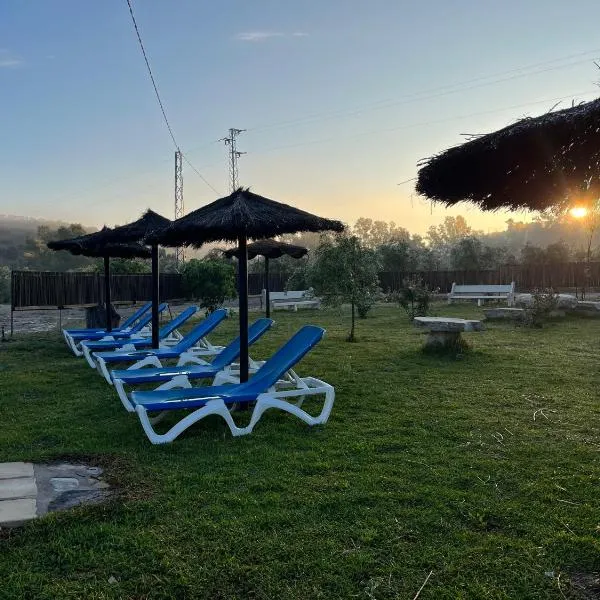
{"x": 162, "y": 108}
{"x": 198, "y": 173}
{"x": 435, "y": 92}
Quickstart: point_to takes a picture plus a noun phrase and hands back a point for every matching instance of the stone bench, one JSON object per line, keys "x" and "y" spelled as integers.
{"x": 446, "y": 331}
{"x": 500, "y": 313}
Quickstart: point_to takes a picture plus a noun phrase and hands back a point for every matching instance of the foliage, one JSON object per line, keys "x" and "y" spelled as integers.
{"x": 209, "y": 281}
{"x": 543, "y": 302}
{"x": 375, "y": 233}
{"x": 464, "y": 467}
{"x": 344, "y": 270}
{"x": 414, "y": 297}
{"x": 123, "y": 266}
{"x": 4, "y": 285}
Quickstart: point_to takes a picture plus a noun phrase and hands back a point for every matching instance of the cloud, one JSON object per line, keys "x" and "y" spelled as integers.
{"x": 263, "y": 36}
{"x": 8, "y": 60}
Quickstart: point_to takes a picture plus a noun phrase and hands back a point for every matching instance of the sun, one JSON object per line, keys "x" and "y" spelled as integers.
{"x": 579, "y": 212}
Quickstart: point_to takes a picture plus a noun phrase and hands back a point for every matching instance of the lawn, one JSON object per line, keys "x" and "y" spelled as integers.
{"x": 483, "y": 469}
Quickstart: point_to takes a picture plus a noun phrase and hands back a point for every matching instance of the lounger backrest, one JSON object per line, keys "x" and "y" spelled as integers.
{"x": 284, "y": 359}
{"x": 145, "y": 320}
{"x": 179, "y": 320}
{"x": 232, "y": 352}
{"x": 136, "y": 315}
{"x": 202, "y": 329}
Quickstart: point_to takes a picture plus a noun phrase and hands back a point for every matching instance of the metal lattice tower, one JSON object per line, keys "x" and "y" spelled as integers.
{"x": 179, "y": 211}
{"x": 234, "y": 154}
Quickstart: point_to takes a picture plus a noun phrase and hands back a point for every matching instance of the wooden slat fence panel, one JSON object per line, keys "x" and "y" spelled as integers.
{"x": 36, "y": 288}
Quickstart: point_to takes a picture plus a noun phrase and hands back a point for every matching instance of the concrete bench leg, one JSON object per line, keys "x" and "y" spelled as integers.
{"x": 443, "y": 339}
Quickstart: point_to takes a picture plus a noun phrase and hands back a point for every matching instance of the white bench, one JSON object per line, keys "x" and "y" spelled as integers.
{"x": 292, "y": 299}
{"x": 481, "y": 293}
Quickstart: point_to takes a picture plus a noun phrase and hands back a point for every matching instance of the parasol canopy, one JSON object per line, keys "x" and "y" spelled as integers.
{"x": 237, "y": 217}
{"x": 136, "y": 231}
{"x": 269, "y": 249}
{"x": 93, "y": 244}
{"x": 535, "y": 163}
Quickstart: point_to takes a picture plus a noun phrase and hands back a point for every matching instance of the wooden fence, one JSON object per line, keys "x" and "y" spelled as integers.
{"x": 49, "y": 289}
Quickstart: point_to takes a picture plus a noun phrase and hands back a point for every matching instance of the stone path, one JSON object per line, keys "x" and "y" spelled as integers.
{"x": 28, "y": 491}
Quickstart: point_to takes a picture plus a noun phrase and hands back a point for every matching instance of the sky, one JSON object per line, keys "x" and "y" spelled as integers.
{"x": 340, "y": 98}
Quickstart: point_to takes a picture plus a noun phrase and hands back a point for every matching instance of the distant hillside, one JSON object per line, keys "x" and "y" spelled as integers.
{"x": 14, "y": 229}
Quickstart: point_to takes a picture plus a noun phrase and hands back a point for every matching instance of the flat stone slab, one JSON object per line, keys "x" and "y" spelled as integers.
{"x": 19, "y": 487}
{"x": 448, "y": 324}
{"x": 504, "y": 313}
{"x": 15, "y": 469}
{"x": 28, "y": 491}
{"x": 18, "y": 511}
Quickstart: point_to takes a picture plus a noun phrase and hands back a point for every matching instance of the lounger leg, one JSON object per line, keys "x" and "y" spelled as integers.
{"x": 213, "y": 407}
{"x": 120, "y": 387}
{"x": 88, "y": 356}
{"x": 266, "y": 401}
{"x": 104, "y": 370}
{"x": 179, "y": 381}
{"x": 145, "y": 362}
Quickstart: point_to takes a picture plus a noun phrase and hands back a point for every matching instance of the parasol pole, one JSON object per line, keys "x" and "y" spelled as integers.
{"x": 267, "y": 293}
{"x": 155, "y": 295}
{"x": 107, "y": 293}
{"x": 243, "y": 305}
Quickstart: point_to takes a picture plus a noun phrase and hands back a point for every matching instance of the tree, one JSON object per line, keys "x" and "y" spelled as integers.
{"x": 344, "y": 270}
{"x": 557, "y": 253}
{"x": 210, "y": 281}
{"x": 532, "y": 255}
{"x": 375, "y": 233}
{"x": 4, "y": 285}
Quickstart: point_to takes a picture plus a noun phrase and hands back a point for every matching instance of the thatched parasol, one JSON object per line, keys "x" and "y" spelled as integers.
{"x": 535, "y": 163}
{"x": 269, "y": 249}
{"x": 136, "y": 231}
{"x": 92, "y": 245}
{"x": 235, "y": 218}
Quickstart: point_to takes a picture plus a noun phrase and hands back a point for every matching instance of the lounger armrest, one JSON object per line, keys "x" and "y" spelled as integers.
{"x": 188, "y": 358}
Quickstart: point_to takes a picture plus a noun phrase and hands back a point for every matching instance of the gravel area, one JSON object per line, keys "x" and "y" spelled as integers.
{"x": 35, "y": 321}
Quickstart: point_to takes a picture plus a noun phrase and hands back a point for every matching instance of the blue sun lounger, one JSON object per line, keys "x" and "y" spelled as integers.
{"x": 167, "y": 335}
{"x": 193, "y": 344}
{"x": 75, "y": 338}
{"x": 220, "y": 368}
{"x": 265, "y": 388}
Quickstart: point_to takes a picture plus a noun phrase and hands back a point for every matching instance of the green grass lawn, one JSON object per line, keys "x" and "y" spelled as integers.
{"x": 427, "y": 464}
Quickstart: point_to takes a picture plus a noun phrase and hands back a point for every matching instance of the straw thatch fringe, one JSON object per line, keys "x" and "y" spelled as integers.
{"x": 241, "y": 213}
{"x": 535, "y": 163}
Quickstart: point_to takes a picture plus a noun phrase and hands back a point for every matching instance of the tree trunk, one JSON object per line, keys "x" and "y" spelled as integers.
{"x": 351, "y": 336}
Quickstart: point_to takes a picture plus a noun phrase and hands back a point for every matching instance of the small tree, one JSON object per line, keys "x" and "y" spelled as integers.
{"x": 209, "y": 281}
{"x": 344, "y": 270}
{"x": 414, "y": 297}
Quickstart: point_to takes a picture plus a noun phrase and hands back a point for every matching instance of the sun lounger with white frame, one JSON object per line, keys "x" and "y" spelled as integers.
{"x": 168, "y": 335}
{"x": 266, "y": 388}
{"x": 190, "y": 367}
{"x": 193, "y": 345}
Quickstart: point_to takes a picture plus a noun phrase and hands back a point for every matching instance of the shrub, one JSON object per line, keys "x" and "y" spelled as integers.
{"x": 209, "y": 281}
{"x": 543, "y": 302}
{"x": 414, "y": 297}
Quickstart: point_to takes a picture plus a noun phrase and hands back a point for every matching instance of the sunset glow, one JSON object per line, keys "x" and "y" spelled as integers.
{"x": 578, "y": 212}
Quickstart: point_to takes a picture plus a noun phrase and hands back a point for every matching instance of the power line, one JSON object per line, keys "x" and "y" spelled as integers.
{"x": 162, "y": 108}
{"x": 435, "y": 92}
{"x": 199, "y": 174}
